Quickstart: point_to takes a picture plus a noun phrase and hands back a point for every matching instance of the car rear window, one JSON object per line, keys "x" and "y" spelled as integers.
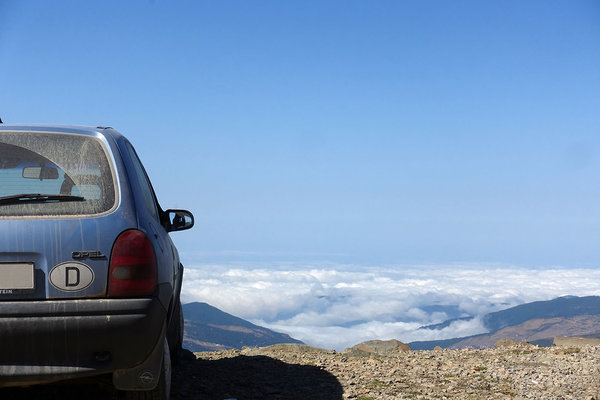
{"x": 54, "y": 174}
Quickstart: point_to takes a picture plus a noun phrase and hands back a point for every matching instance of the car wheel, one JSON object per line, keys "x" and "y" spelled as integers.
{"x": 176, "y": 334}
{"x": 162, "y": 391}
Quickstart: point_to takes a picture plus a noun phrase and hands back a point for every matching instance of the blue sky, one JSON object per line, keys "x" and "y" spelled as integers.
{"x": 347, "y": 131}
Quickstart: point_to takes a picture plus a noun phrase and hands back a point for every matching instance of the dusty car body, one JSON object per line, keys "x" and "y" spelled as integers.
{"x": 89, "y": 277}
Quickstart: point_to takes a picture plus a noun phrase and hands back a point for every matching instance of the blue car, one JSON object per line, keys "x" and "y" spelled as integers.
{"x": 89, "y": 277}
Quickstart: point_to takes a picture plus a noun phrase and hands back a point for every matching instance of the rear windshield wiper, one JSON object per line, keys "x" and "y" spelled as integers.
{"x": 38, "y": 198}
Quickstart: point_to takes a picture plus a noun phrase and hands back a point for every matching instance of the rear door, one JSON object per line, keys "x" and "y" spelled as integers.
{"x": 59, "y": 215}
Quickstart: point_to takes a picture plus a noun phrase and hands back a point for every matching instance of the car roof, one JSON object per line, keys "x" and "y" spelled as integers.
{"x": 73, "y": 129}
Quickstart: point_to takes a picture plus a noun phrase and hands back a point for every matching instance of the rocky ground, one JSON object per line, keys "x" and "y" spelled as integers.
{"x": 376, "y": 370}
{"x": 302, "y": 372}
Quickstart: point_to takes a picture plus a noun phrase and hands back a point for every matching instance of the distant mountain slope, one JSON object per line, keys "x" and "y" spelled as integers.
{"x": 538, "y": 322}
{"x": 446, "y": 323}
{"x": 539, "y": 330}
{"x": 567, "y": 306}
{"x": 207, "y": 328}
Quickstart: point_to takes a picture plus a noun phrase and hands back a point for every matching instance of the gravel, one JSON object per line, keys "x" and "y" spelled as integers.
{"x": 299, "y": 372}
{"x": 303, "y": 372}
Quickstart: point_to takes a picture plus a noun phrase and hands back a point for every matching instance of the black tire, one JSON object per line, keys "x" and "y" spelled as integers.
{"x": 175, "y": 334}
{"x": 162, "y": 391}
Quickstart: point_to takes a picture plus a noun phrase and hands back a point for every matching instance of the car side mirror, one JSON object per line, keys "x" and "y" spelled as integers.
{"x": 179, "y": 220}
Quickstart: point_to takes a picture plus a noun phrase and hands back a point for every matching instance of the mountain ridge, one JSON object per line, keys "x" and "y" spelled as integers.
{"x": 209, "y": 329}
{"x": 537, "y": 322}
{"x": 206, "y": 328}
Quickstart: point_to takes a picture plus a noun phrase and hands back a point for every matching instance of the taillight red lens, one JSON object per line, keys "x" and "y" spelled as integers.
{"x": 132, "y": 269}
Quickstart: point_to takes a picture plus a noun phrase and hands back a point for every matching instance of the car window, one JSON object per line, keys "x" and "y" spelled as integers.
{"x": 145, "y": 185}
{"x": 53, "y": 174}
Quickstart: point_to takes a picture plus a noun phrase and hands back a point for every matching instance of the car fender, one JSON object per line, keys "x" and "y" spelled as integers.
{"x": 146, "y": 375}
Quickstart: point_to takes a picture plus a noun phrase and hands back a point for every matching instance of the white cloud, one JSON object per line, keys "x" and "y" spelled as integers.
{"x": 335, "y": 306}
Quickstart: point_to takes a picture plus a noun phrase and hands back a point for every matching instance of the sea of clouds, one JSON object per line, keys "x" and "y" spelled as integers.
{"x": 337, "y": 306}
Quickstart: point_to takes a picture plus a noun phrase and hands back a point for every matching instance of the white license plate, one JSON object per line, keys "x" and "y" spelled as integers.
{"x": 16, "y": 276}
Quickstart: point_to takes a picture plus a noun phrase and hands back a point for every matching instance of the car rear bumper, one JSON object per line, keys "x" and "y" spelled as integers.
{"x": 44, "y": 341}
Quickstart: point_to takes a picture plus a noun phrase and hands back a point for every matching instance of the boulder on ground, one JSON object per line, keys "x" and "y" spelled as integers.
{"x": 575, "y": 341}
{"x": 379, "y": 347}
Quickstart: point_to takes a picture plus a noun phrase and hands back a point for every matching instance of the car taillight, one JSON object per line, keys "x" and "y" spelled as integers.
{"x": 132, "y": 270}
